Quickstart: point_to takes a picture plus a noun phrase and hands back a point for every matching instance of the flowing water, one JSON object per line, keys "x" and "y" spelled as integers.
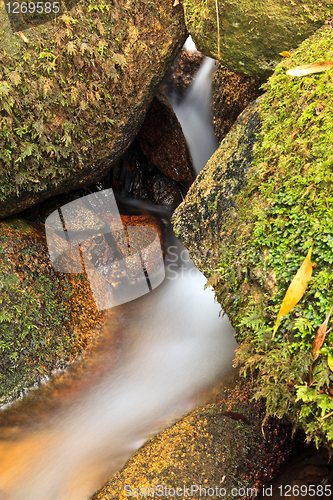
{"x": 172, "y": 345}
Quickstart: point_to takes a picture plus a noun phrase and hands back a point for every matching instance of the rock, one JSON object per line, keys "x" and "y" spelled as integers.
{"x": 211, "y": 198}
{"x": 163, "y": 191}
{"x": 46, "y": 318}
{"x": 206, "y": 449}
{"x": 253, "y": 34}
{"x": 162, "y": 141}
{"x": 248, "y": 221}
{"x": 182, "y": 72}
{"x": 81, "y": 85}
{"x": 313, "y": 474}
{"x": 232, "y": 93}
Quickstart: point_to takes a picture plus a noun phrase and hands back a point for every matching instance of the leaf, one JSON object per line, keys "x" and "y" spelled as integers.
{"x": 308, "y": 69}
{"x": 296, "y": 289}
{"x": 330, "y": 362}
{"x": 285, "y": 53}
{"x": 24, "y": 38}
{"x": 320, "y": 336}
{"x": 71, "y": 48}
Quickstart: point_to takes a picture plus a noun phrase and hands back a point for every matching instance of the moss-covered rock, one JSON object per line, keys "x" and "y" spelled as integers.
{"x": 252, "y": 32}
{"x": 46, "y": 318}
{"x": 261, "y": 227}
{"x": 74, "y": 92}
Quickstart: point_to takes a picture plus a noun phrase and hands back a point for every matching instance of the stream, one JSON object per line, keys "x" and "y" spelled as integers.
{"x": 173, "y": 345}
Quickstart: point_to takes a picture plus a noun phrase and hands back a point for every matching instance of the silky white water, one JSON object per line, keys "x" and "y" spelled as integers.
{"x": 173, "y": 345}
{"x": 194, "y": 112}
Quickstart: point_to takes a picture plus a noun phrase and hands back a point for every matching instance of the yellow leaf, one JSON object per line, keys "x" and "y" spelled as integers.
{"x": 308, "y": 69}
{"x": 330, "y": 362}
{"x": 285, "y": 53}
{"x": 296, "y": 289}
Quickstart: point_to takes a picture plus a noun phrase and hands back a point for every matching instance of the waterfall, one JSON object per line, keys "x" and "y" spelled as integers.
{"x": 173, "y": 345}
{"x": 194, "y": 113}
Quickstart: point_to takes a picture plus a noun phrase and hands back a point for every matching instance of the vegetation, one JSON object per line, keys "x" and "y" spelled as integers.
{"x": 252, "y": 32}
{"x": 287, "y": 207}
{"x": 68, "y": 88}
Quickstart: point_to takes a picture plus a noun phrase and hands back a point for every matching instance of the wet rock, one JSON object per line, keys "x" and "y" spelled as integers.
{"x": 232, "y": 93}
{"x": 47, "y": 318}
{"x": 253, "y": 34}
{"x": 211, "y": 200}
{"x": 116, "y": 59}
{"x": 163, "y": 143}
{"x": 163, "y": 191}
{"x": 313, "y": 474}
{"x": 182, "y": 72}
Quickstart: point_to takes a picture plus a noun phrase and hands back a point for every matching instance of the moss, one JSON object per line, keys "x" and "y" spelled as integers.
{"x": 74, "y": 91}
{"x": 46, "y": 317}
{"x": 253, "y": 32}
{"x": 286, "y": 207}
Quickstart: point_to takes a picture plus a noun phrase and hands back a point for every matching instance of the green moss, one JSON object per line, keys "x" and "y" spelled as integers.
{"x": 286, "y": 207}
{"x": 68, "y": 91}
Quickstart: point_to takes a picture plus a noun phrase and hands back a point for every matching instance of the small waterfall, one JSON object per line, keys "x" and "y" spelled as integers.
{"x": 173, "y": 345}
{"x": 194, "y": 113}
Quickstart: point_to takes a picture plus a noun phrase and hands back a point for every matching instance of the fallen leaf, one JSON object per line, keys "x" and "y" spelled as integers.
{"x": 330, "y": 362}
{"x": 24, "y": 38}
{"x": 296, "y": 289}
{"x": 285, "y": 53}
{"x": 308, "y": 69}
{"x": 320, "y": 336}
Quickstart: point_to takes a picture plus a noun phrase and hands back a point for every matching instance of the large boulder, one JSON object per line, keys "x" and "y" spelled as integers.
{"x": 249, "y": 220}
{"x": 74, "y": 92}
{"x": 252, "y": 33}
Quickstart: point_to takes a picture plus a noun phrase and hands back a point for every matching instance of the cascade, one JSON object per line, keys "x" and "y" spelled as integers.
{"x": 173, "y": 345}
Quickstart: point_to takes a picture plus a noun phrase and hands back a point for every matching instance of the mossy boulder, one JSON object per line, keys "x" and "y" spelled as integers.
{"x": 46, "y": 318}
{"x": 249, "y": 222}
{"x": 74, "y": 92}
{"x": 252, "y": 32}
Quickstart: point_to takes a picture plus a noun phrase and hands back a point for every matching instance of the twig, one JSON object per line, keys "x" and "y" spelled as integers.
{"x": 218, "y": 29}
{"x": 325, "y": 416}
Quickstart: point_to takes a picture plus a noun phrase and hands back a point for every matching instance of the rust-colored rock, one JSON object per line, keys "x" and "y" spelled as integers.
{"x": 162, "y": 141}
{"x": 232, "y": 93}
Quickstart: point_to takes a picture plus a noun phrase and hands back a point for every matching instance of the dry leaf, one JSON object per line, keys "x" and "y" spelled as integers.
{"x": 24, "y": 38}
{"x": 308, "y": 69}
{"x": 330, "y": 362}
{"x": 296, "y": 289}
{"x": 320, "y": 336}
{"x": 285, "y": 53}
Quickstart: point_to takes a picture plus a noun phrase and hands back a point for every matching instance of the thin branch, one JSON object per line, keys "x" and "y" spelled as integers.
{"x": 218, "y": 29}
